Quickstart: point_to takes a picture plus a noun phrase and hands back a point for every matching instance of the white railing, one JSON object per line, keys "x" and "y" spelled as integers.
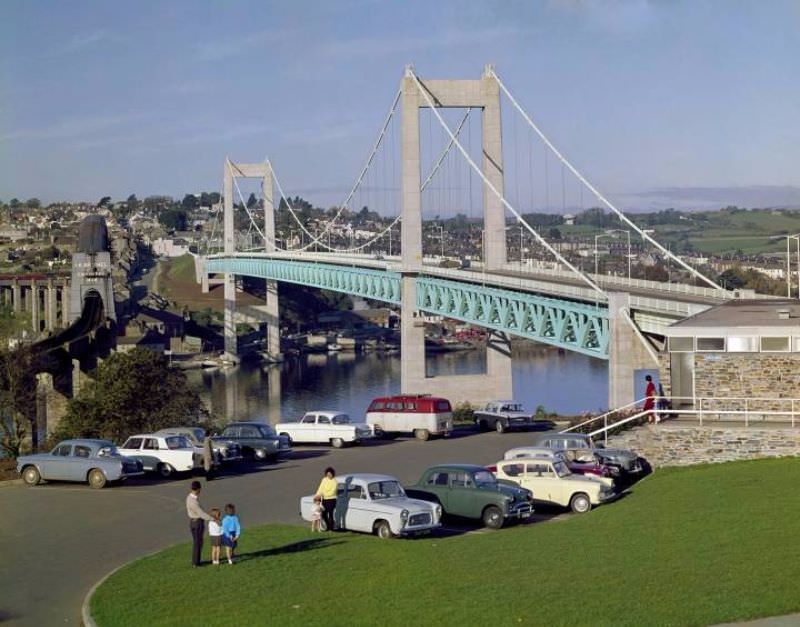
{"x": 749, "y": 410}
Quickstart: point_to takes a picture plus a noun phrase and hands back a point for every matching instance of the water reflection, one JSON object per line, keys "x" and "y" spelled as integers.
{"x": 568, "y": 383}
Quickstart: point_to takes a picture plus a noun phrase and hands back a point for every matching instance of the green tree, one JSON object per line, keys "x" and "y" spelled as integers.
{"x": 190, "y": 202}
{"x": 133, "y": 392}
{"x": 104, "y": 202}
{"x": 14, "y": 203}
{"x": 174, "y": 219}
{"x": 33, "y": 203}
{"x": 252, "y": 201}
{"x": 133, "y": 203}
{"x": 554, "y": 233}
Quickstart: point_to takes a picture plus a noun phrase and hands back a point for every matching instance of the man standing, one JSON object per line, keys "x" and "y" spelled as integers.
{"x": 208, "y": 458}
{"x": 197, "y": 518}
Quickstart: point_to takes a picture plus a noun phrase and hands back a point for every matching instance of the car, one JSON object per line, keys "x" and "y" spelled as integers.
{"x": 331, "y": 427}
{"x": 585, "y": 463}
{"x": 257, "y": 440}
{"x": 471, "y": 491}
{"x": 572, "y": 444}
{"x": 422, "y": 415}
{"x": 164, "y": 454}
{"x": 373, "y": 503}
{"x": 552, "y": 482}
{"x": 503, "y": 416}
{"x": 224, "y": 450}
{"x": 94, "y": 461}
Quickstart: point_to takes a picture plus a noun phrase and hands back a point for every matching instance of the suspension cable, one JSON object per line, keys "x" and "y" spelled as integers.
{"x": 494, "y": 190}
{"x": 599, "y": 196}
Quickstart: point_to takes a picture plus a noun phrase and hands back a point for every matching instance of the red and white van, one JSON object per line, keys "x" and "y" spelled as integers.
{"x": 420, "y": 414}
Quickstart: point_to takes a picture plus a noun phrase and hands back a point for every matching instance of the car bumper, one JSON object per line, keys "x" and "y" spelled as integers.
{"x": 137, "y": 473}
{"x": 520, "y": 511}
{"x": 419, "y": 530}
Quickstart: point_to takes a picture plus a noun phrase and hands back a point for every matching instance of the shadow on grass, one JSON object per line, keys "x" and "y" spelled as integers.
{"x": 294, "y": 547}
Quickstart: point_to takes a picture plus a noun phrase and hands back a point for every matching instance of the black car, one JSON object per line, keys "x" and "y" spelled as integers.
{"x": 257, "y": 440}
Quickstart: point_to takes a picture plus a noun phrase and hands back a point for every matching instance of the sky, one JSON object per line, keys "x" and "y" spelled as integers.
{"x": 684, "y": 103}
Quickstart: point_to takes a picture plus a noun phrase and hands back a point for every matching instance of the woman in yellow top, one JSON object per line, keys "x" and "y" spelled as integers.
{"x": 326, "y": 492}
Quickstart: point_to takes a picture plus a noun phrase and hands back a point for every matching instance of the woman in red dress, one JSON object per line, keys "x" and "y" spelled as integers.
{"x": 650, "y": 398}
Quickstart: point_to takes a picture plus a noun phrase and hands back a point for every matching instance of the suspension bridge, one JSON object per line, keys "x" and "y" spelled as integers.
{"x": 440, "y": 149}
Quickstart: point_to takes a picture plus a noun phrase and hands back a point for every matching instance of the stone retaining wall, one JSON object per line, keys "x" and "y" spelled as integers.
{"x": 672, "y": 445}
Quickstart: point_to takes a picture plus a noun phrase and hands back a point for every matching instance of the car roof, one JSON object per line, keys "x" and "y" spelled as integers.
{"x": 465, "y": 467}
{"x": 237, "y": 423}
{"x": 325, "y": 411}
{"x": 89, "y": 441}
{"x": 535, "y": 449}
{"x": 409, "y": 397}
{"x": 365, "y": 476}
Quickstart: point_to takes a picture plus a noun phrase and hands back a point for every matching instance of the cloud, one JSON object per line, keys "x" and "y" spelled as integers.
{"x": 72, "y": 127}
{"x": 226, "y": 48}
{"x": 755, "y": 196}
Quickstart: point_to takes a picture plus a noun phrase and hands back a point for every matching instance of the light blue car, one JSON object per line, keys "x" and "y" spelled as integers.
{"x": 95, "y": 462}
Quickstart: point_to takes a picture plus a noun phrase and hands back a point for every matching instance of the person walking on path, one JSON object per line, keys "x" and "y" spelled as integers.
{"x": 208, "y": 458}
{"x": 650, "y": 399}
{"x": 327, "y": 492}
{"x": 197, "y": 517}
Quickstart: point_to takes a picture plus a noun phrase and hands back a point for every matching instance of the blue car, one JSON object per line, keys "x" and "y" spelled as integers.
{"x": 95, "y": 462}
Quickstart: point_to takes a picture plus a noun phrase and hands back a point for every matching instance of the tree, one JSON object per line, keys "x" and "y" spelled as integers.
{"x": 190, "y": 202}
{"x": 14, "y": 203}
{"x": 554, "y": 233}
{"x": 133, "y": 392}
{"x": 133, "y": 203}
{"x": 33, "y": 203}
{"x": 17, "y": 399}
{"x": 174, "y": 219}
{"x": 252, "y": 201}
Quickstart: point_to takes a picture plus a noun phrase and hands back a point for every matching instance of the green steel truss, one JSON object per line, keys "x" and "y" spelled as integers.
{"x": 566, "y": 324}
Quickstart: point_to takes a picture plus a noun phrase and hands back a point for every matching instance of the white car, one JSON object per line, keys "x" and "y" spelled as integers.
{"x": 378, "y": 504}
{"x": 326, "y": 427}
{"x": 164, "y": 454}
{"x": 577, "y": 461}
{"x": 552, "y": 482}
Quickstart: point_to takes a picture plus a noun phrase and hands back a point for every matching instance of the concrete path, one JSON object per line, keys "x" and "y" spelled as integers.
{"x": 57, "y": 540}
{"x": 790, "y": 620}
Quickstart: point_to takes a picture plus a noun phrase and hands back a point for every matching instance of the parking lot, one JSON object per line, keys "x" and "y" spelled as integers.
{"x": 58, "y": 539}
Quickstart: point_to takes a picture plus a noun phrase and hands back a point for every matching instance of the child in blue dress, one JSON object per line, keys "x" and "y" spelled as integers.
{"x": 231, "y": 530}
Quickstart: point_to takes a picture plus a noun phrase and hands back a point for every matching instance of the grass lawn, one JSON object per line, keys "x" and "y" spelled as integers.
{"x": 692, "y": 546}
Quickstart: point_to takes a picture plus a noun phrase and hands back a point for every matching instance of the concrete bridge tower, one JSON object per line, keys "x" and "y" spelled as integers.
{"x": 483, "y": 93}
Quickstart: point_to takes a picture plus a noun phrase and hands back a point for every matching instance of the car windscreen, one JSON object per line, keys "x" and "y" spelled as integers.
{"x": 562, "y": 470}
{"x": 385, "y": 490}
{"x": 484, "y": 477}
{"x": 341, "y": 419}
{"x": 178, "y": 441}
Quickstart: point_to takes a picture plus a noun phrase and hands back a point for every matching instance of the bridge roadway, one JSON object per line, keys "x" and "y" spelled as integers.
{"x": 656, "y": 304}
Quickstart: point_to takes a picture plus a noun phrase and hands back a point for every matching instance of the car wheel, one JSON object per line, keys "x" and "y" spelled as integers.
{"x": 422, "y": 434}
{"x": 165, "y": 470}
{"x": 580, "y": 503}
{"x": 97, "y": 479}
{"x": 383, "y": 530}
{"x": 379, "y": 433}
{"x": 31, "y": 476}
{"x": 337, "y": 442}
{"x": 492, "y": 517}
{"x": 499, "y": 426}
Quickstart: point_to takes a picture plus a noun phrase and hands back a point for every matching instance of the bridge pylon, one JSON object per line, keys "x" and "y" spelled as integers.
{"x": 268, "y": 312}
{"x": 483, "y": 94}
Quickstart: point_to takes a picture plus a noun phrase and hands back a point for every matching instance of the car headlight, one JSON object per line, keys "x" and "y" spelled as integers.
{"x": 404, "y": 516}
{"x": 438, "y": 512}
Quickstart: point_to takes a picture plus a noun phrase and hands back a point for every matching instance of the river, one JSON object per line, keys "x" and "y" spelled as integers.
{"x": 566, "y": 383}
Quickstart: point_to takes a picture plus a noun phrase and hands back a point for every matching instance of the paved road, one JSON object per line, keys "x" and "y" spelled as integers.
{"x": 57, "y": 540}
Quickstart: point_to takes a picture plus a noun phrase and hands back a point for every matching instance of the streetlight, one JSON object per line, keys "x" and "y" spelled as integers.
{"x": 609, "y": 233}
{"x": 795, "y": 237}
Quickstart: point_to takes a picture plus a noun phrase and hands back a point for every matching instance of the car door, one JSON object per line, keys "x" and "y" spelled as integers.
{"x": 151, "y": 456}
{"x": 57, "y": 464}
{"x": 322, "y": 433}
{"x": 355, "y": 506}
{"x": 544, "y": 482}
{"x": 132, "y": 448}
{"x": 438, "y": 483}
{"x": 306, "y": 429}
{"x": 79, "y": 462}
{"x": 463, "y": 496}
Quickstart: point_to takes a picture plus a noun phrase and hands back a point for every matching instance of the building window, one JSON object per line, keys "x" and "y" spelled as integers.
{"x": 742, "y": 344}
{"x": 774, "y": 344}
{"x": 710, "y": 344}
{"x": 681, "y": 344}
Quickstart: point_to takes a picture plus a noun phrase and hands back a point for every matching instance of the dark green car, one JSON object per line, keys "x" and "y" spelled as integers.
{"x": 472, "y": 491}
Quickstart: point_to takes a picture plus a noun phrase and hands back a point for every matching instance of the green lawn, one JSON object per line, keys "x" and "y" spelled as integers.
{"x": 690, "y": 546}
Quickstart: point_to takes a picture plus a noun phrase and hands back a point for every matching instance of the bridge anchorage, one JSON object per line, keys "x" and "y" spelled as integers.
{"x": 605, "y": 317}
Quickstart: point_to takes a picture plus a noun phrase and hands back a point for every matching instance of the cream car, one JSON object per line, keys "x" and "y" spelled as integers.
{"x": 551, "y": 481}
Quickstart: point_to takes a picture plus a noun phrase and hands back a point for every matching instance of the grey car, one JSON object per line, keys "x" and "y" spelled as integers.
{"x": 624, "y": 459}
{"x": 93, "y": 461}
{"x": 257, "y": 440}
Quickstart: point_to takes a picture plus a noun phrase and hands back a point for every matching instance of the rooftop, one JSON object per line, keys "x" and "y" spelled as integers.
{"x": 778, "y": 313}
